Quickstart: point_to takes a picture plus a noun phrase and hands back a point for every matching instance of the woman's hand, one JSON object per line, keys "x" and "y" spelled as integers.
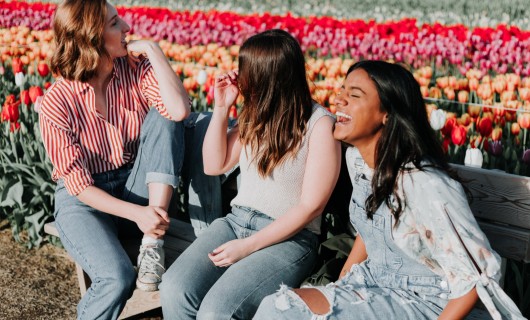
{"x": 226, "y": 90}
{"x": 230, "y": 252}
{"x": 152, "y": 221}
{"x": 136, "y": 48}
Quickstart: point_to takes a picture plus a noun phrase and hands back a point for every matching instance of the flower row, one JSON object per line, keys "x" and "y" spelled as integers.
{"x": 502, "y": 49}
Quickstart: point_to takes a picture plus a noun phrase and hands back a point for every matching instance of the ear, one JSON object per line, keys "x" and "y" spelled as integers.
{"x": 385, "y": 119}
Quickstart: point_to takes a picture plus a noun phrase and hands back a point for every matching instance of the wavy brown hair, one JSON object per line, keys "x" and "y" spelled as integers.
{"x": 277, "y": 101}
{"x": 78, "y": 35}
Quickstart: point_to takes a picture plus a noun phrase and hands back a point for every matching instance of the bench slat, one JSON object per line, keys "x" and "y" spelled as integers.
{"x": 509, "y": 241}
{"x": 498, "y": 196}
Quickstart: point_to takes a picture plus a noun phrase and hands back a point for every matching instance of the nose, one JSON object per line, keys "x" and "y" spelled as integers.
{"x": 126, "y": 27}
{"x": 339, "y": 99}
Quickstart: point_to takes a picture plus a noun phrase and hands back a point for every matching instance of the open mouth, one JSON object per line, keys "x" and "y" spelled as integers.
{"x": 342, "y": 117}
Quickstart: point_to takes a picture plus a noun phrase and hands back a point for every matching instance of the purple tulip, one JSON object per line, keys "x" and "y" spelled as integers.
{"x": 495, "y": 147}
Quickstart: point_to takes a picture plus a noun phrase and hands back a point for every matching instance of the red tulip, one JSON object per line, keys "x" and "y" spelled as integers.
{"x": 17, "y": 66}
{"x": 24, "y": 97}
{"x": 35, "y": 92}
{"x": 43, "y": 69}
{"x": 515, "y": 128}
{"x": 485, "y": 126}
{"x": 459, "y": 135}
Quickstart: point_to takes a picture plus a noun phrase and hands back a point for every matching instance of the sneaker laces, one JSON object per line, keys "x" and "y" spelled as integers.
{"x": 150, "y": 261}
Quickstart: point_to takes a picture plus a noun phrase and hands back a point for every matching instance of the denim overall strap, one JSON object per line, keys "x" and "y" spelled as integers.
{"x": 390, "y": 266}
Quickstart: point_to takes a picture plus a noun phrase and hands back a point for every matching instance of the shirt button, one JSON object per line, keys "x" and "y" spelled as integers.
{"x": 443, "y": 284}
{"x": 443, "y": 295}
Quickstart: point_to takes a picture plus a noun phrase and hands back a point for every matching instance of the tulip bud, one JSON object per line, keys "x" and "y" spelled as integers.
{"x": 202, "y": 77}
{"x": 485, "y": 126}
{"x": 437, "y": 119}
{"x": 24, "y": 97}
{"x": 458, "y": 135}
{"x": 35, "y": 92}
{"x": 524, "y": 120}
{"x": 43, "y": 69}
{"x": 20, "y": 79}
{"x": 2, "y": 70}
{"x": 463, "y": 96}
{"x": 495, "y": 148}
{"x": 516, "y": 128}
{"x": 473, "y": 158}
{"x": 496, "y": 134}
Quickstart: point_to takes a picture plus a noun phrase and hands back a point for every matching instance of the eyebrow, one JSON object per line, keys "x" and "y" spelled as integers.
{"x": 356, "y": 88}
{"x": 113, "y": 17}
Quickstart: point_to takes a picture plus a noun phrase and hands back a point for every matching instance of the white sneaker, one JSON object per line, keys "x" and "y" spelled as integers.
{"x": 150, "y": 267}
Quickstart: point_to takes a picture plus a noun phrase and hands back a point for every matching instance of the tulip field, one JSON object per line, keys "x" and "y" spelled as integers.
{"x": 475, "y": 80}
{"x": 472, "y": 65}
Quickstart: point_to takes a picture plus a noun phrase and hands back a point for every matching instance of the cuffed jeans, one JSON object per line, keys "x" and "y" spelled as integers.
{"x": 194, "y": 288}
{"x": 92, "y": 237}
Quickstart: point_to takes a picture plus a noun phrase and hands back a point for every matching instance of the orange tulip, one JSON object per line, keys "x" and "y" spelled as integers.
{"x": 463, "y": 96}
{"x": 524, "y": 120}
{"x": 496, "y": 134}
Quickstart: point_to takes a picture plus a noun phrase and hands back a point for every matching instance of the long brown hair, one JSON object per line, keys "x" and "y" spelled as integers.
{"x": 78, "y": 34}
{"x": 277, "y": 100}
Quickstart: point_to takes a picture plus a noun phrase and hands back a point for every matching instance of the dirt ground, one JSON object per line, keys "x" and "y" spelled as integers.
{"x": 38, "y": 283}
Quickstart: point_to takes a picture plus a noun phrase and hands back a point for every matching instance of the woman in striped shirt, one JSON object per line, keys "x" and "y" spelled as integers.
{"x": 116, "y": 160}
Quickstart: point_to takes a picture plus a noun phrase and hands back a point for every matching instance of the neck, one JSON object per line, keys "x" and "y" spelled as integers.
{"x": 367, "y": 151}
{"x": 104, "y": 73}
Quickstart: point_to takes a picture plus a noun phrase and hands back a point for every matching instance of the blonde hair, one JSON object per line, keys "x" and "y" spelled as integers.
{"x": 78, "y": 27}
{"x": 277, "y": 100}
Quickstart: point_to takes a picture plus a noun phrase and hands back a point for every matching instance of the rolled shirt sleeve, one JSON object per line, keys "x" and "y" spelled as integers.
{"x": 150, "y": 89}
{"x": 62, "y": 149}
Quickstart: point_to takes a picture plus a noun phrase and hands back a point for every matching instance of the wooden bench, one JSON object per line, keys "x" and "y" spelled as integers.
{"x": 501, "y": 205}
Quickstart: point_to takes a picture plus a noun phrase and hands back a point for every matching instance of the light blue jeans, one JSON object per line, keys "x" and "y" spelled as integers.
{"x": 92, "y": 237}
{"x": 388, "y": 285}
{"x": 194, "y": 288}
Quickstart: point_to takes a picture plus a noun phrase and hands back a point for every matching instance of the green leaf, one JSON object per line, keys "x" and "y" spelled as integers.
{"x": 12, "y": 194}
{"x": 341, "y": 243}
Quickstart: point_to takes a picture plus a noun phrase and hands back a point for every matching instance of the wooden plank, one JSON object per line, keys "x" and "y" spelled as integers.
{"x": 498, "y": 196}
{"x": 140, "y": 302}
{"x": 50, "y": 229}
{"x": 509, "y": 241}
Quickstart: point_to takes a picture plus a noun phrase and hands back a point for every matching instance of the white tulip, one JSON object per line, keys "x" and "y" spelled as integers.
{"x": 473, "y": 158}
{"x": 202, "y": 77}
{"x": 20, "y": 79}
{"x": 437, "y": 119}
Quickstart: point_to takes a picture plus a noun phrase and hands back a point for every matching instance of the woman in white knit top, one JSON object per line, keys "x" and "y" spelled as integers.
{"x": 289, "y": 165}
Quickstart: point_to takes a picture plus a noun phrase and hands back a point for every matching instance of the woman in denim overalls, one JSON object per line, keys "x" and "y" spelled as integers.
{"x": 416, "y": 234}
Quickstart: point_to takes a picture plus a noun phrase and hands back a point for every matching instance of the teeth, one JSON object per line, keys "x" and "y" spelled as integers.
{"x": 343, "y": 115}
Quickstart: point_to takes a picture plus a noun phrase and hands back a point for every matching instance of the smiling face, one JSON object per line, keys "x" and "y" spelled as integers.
{"x": 359, "y": 116}
{"x": 114, "y": 33}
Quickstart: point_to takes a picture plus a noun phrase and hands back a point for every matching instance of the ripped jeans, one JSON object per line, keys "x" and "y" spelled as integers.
{"x": 388, "y": 285}
{"x": 357, "y": 296}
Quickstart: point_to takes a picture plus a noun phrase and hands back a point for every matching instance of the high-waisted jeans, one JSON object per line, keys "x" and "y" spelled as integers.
{"x": 194, "y": 288}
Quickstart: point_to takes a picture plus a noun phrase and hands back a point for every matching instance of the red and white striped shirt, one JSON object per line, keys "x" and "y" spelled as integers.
{"x": 79, "y": 141}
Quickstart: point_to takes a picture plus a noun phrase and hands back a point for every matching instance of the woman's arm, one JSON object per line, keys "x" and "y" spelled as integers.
{"x": 153, "y": 221}
{"x": 460, "y": 307}
{"x": 322, "y": 171}
{"x": 221, "y": 150}
{"x": 357, "y": 255}
{"x": 174, "y": 96}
